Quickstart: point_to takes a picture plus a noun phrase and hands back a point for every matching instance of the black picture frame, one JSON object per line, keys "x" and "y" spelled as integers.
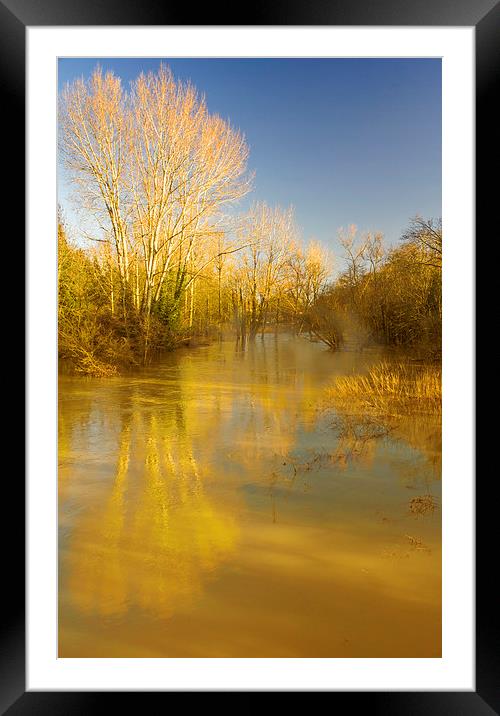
{"x": 15, "y": 17}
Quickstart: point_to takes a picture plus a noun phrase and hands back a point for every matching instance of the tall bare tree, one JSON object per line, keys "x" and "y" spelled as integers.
{"x": 186, "y": 165}
{"x": 93, "y": 127}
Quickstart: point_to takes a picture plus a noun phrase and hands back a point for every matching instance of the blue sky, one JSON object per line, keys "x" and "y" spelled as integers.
{"x": 345, "y": 141}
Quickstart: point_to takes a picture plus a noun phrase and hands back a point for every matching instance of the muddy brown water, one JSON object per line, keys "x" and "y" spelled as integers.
{"x": 210, "y": 507}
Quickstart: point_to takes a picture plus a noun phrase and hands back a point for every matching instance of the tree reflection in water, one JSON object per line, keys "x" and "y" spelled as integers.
{"x": 206, "y": 504}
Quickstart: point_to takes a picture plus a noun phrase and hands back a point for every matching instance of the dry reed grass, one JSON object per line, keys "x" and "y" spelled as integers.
{"x": 390, "y": 390}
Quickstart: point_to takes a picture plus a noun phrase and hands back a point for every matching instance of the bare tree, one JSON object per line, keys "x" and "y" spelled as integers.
{"x": 374, "y": 251}
{"x": 158, "y": 165}
{"x": 92, "y": 121}
{"x": 187, "y": 164}
{"x": 269, "y": 234}
{"x": 354, "y": 252}
{"x": 428, "y": 235}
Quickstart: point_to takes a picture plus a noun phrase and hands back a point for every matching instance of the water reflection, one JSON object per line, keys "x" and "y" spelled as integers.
{"x": 156, "y": 537}
{"x": 209, "y": 507}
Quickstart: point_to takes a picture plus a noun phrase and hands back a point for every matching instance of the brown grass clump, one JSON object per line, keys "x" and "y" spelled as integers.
{"x": 398, "y": 389}
{"x": 423, "y": 505}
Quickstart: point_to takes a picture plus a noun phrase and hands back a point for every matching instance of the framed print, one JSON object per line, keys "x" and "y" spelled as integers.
{"x": 234, "y": 471}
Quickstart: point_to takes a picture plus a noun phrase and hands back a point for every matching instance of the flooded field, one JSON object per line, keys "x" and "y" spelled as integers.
{"x": 213, "y": 506}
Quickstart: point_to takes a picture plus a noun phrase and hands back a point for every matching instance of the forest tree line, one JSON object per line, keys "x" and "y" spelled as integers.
{"x": 170, "y": 260}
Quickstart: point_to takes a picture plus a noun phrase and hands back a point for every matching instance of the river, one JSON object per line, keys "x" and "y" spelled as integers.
{"x": 210, "y": 506}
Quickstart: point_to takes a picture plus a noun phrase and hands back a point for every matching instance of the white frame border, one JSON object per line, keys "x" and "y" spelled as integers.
{"x": 455, "y": 670}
